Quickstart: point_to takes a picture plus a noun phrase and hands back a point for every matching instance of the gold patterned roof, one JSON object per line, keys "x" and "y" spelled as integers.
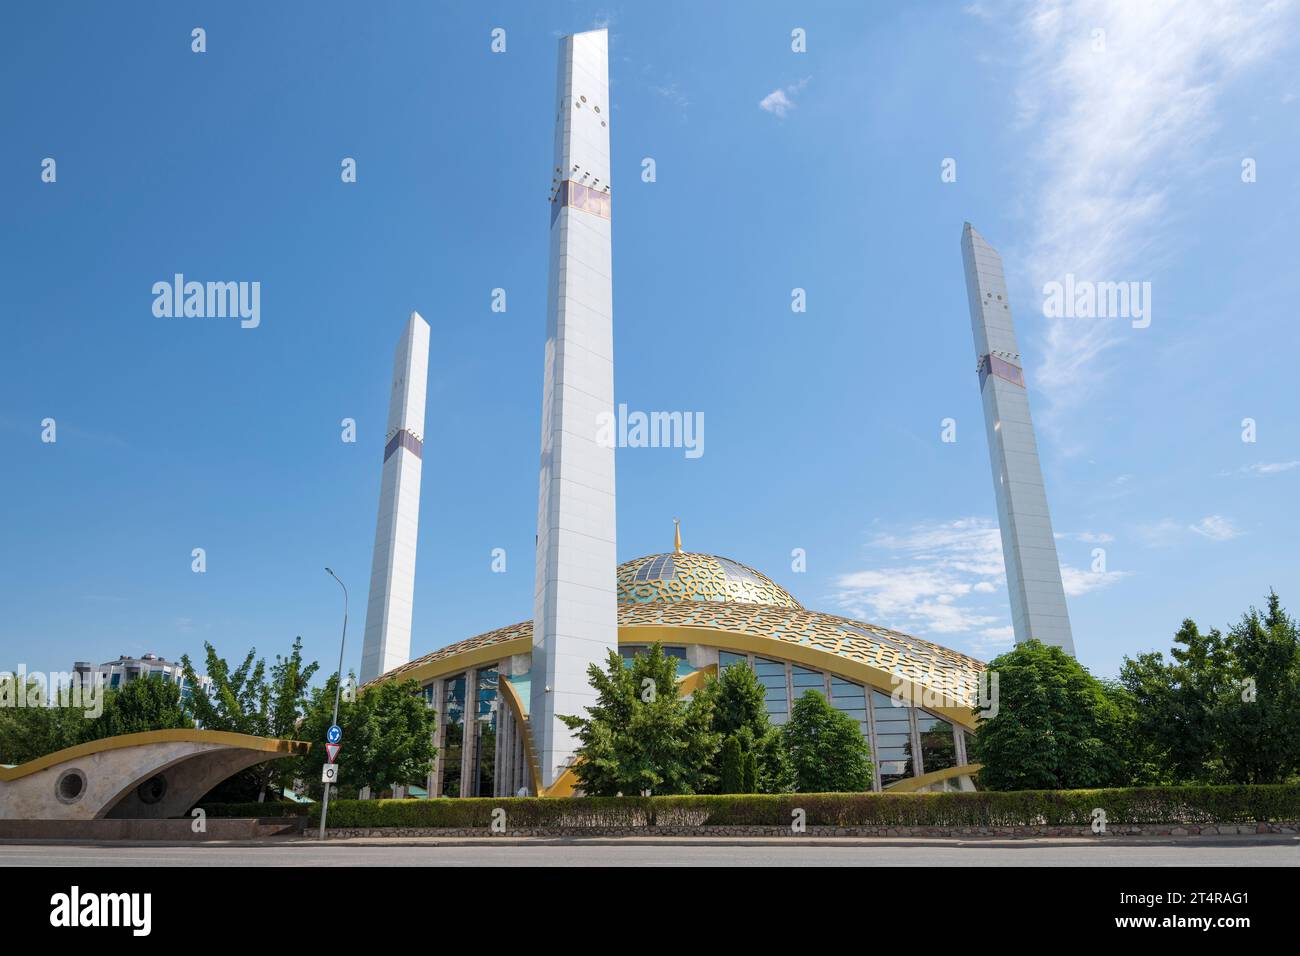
{"x": 921, "y": 662}
{"x": 687, "y": 576}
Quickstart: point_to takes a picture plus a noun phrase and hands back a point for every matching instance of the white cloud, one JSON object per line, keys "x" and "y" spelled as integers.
{"x": 776, "y": 102}
{"x": 1216, "y": 528}
{"x": 1078, "y": 581}
{"x": 1270, "y": 468}
{"x": 1114, "y": 128}
{"x": 947, "y": 578}
{"x": 1168, "y": 532}
{"x": 938, "y": 568}
{"x": 1086, "y": 537}
{"x": 781, "y": 100}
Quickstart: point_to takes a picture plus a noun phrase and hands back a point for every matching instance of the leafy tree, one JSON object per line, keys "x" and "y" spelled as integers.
{"x": 147, "y": 703}
{"x": 1258, "y": 715}
{"x": 739, "y": 706}
{"x": 237, "y": 701}
{"x": 244, "y": 701}
{"x": 639, "y": 735}
{"x": 34, "y": 728}
{"x": 749, "y": 772}
{"x": 387, "y": 737}
{"x": 731, "y": 764}
{"x": 1056, "y": 728}
{"x": 1225, "y": 708}
{"x": 826, "y": 747}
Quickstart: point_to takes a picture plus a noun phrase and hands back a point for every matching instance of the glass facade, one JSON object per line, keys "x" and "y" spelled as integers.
{"x": 803, "y": 680}
{"x": 679, "y": 653}
{"x": 485, "y": 733}
{"x": 893, "y": 751}
{"x": 771, "y": 674}
{"x": 727, "y": 659}
{"x": 938, "y": 743}
{"x": 577, "y": 196}
{"x": 453, "y": 734}
{"x": 850, "y": 698}
{"x": 904, "y": 741}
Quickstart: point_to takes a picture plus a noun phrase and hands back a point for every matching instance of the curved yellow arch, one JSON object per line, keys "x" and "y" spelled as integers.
{"x": 179, "y": 735}
{"x": 913, "y": 784}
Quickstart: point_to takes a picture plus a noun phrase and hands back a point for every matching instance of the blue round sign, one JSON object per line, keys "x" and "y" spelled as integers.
{"x": 334, "y": 734}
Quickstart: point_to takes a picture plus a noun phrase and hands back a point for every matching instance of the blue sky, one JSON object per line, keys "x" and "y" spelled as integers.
{"x": 775, "y": 170}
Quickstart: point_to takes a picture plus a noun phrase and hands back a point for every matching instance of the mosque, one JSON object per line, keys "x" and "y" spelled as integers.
{"x": 500, "y": 695}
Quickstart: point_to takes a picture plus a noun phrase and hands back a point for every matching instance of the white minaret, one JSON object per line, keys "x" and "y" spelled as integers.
{"x": 1028, "y": 546}
{"x": 387, "y": 641}
{"x": 575, "y": 614}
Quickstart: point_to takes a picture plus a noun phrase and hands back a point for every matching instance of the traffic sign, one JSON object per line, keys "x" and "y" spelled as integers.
{"x": 332, "y": 751}
{"x": 329, "y": 773}
{"x": 334, "y": 735}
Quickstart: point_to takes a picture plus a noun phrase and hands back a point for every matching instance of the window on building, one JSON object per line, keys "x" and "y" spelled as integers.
{"x": 729, "y": 658}
{"x": 804, "y": 680}
{"x": 938, "y": 743}
{"x": 678, "y": 653}
{"x": 453, "y": 718}
{"x": 850, "y": 698}
{"x": 893, "y": 739}
{"x": 485, "y": 732}
{"x": 771, "y": 674}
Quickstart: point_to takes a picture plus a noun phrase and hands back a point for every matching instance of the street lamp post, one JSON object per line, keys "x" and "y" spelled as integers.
{"x": 338, "y": 690}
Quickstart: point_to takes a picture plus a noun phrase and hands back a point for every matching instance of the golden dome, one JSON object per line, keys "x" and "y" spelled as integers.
{"x": 686, "y": 576}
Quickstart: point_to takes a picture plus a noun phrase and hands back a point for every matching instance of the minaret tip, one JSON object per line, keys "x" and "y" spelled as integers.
{"x": 677, "y": 536}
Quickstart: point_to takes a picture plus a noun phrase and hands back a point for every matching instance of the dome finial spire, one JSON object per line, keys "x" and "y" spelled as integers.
{"x": 677, "y": 536}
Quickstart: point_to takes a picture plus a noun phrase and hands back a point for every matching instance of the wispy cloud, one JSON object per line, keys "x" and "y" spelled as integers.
{"x": 1116, "y": 125}
{"x": 1077, "y": 581}
{"x": 781, "y": 100}
{"x": 1168, "y": 531}
{"x": 945, "y": 578}
{"x": 1270, "y": 468}
{"x": 1216, "y": 528}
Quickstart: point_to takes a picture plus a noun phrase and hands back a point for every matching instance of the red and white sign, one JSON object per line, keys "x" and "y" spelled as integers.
{"x": 332, "y": 751}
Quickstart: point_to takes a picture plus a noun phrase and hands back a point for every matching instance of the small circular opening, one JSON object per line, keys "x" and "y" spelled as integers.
{"x": 152, "y": 790}
{"x": 71, "y": 785}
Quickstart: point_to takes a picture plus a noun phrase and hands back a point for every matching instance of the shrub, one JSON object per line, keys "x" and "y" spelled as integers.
{"x": 1152, "y": 805}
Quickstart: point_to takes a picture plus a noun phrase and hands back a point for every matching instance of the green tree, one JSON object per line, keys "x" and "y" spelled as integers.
{"x": 639, "y": 735}
{"x": 1055, "y": 728}
{"x": 146, "y": 703}
{"x": 237, "y": 701}
{"x": 1258, "y": 712}
{"x": 387, "y": 737}
{"x": 244, "y": 701}
{"x": 29, "y": 726}
{"x": 749, "y": 772}
{"x": 827, "y": 750}
{"x": 739, "y": 706}
{"x": 1225, "y": 708}
{"x": 731, "y": 763}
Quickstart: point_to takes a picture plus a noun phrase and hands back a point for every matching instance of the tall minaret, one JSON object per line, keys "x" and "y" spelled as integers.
{"x": 1028, "y": 547}
{"x": 575, "y": 614}
{"x": 387, "y": 641}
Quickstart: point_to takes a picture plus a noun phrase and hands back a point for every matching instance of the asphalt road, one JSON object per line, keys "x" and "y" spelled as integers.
{"x": 1036, "y": 853}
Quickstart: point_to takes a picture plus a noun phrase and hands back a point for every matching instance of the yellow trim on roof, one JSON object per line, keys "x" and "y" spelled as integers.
{"x": 947, "y": 707}
{"x": 180, "y": 735}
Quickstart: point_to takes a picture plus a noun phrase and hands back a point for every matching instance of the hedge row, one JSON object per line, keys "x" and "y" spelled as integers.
{"x": 1171, "y": 805}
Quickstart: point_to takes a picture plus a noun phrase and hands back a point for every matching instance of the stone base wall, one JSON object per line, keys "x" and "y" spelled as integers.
{"x": 1114, "y": 830}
